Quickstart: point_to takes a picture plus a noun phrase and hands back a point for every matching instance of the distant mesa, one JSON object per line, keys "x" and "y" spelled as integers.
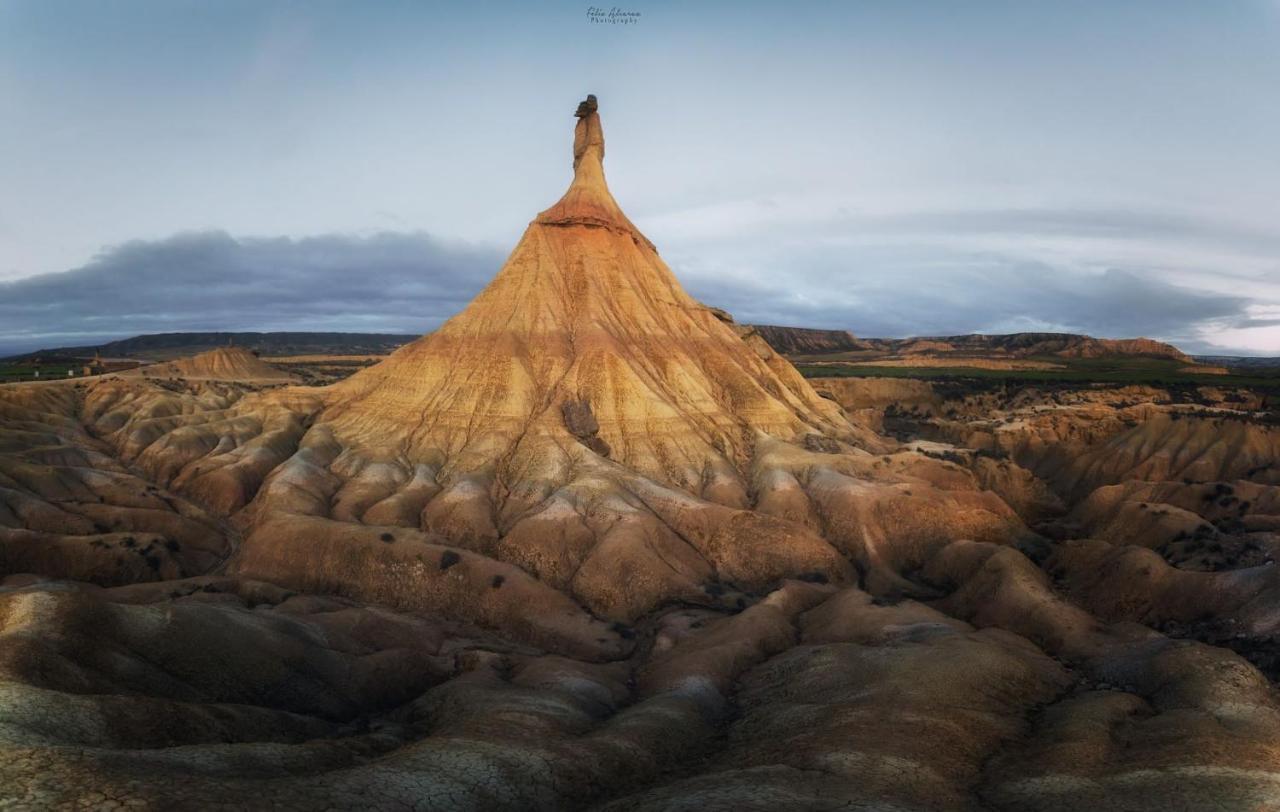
{"x": 170, "y": 346}
{"x": 1067, "y": 345}
{"x": 808, "y": 341}
{"x": 804, "y": 341}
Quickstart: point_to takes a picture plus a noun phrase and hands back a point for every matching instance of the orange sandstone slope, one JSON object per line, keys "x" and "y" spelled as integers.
{"x": 584, "y": 339}
{"x": 588, "y": 431}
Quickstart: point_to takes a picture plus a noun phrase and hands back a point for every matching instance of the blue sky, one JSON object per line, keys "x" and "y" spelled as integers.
{"x": 891, "y": 168}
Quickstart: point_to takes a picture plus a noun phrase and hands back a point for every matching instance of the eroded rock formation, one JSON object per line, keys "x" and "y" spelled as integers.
{"x": 591, "y": 545}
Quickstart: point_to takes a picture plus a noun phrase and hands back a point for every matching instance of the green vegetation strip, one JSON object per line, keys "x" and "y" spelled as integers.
{"x": 26, "y": 372}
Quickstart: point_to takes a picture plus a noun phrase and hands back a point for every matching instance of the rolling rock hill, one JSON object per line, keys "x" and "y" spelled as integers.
{"x": 1023, "y": 345}
{"x": 592, "y": 545}
{"x": 804, "y": 341}
{"x": 170, "y": 346}
{"x": 219, "y": 364}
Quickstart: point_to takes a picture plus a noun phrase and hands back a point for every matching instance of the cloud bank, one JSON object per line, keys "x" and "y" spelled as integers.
{"x": 925, "y": 275}
{"x": 992, "y": 296}
{"x": 1208, "y": 286}
{"x": 386, "y": 282}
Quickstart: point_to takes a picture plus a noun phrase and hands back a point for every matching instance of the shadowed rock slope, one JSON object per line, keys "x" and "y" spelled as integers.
{"x": 808, "y": 341}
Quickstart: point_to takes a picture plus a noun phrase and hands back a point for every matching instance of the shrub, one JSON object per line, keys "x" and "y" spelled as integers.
{"x": 623, "y": 630}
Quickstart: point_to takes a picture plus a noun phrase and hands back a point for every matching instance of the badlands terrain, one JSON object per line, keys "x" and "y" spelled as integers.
{"x": 594, "y": 545}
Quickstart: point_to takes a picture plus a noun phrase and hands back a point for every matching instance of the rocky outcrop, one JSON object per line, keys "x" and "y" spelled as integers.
{"x": 808, "y": 341}
{"x": 219, "y": 364}
{"x": 584, "y": 311}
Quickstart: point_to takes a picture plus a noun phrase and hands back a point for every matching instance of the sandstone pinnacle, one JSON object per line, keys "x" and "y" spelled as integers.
{"x": 584, "y": 311}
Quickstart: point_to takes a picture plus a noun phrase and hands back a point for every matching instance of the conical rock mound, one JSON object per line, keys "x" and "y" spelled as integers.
{"x": 583, "y": 419}
{"x": 584, "y": 339}
{"x": 220, "y": 364}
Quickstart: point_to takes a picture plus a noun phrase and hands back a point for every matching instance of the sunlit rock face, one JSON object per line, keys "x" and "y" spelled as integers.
{"x": 593, "y": 545}
{"x": 584, "y": 312}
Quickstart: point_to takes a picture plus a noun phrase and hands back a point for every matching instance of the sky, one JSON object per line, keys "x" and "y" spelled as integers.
{"x": 889, "y": 168}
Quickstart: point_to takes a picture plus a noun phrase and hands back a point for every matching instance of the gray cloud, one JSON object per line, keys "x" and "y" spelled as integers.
{"x": 1199, "y": 283}
{"x": 211, "y": 281}
{"x": 1078, "y": 223}
{"x": 983, "y": 294}
{"x": 398, "y": 282}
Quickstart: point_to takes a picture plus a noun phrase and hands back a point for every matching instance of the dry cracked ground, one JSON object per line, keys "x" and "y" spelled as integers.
{"x": 1022, "y": 599}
